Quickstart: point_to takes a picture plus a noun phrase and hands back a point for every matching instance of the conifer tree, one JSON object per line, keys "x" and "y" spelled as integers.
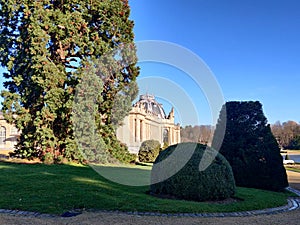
{"x": 250, "y": 147}
{"x": 44, "y": 45}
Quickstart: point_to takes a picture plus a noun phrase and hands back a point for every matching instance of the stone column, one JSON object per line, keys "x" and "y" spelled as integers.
{"x": 173, "y": 135}
{"x": 142, "y": 128}
{"x": 137, "y": 130}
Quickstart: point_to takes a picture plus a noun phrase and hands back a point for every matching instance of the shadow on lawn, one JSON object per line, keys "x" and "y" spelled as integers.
{"x": 57, "y": 188}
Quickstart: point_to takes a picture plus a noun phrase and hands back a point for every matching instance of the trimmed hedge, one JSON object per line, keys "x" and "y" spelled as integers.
{"x": 149, "y": 150}
{"x": 216, "y": 182}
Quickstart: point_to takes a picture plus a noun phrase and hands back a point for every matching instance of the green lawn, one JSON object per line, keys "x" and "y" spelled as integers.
{"x": 59, "y": 188}
{"x": 293, "y": 169}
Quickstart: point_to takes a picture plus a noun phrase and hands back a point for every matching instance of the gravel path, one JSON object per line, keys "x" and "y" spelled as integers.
{"x": 89, "y": 218}
{"x": 294, "y": 179}
{"x": 290, "y": 218}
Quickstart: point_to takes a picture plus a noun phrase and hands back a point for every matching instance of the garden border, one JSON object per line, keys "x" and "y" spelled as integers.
{"x": 293, "y": 204}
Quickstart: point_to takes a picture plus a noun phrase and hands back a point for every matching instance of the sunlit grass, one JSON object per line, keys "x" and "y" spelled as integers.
{"x": 293, "y": 169}
{"x": 59, "y": 188}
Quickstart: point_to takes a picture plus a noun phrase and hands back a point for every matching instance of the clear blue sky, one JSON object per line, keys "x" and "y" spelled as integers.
{"x": 251, "y": 46}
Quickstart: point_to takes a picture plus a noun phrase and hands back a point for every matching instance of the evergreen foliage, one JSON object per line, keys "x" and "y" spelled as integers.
{"x": 294, "y": 143}
{"x": 46, "y": 47}
{"x": 149, "y": 150}
{"x": 88, "y": 139}
{"x": 250, "y": 147}
{"x": 214, "y": 183}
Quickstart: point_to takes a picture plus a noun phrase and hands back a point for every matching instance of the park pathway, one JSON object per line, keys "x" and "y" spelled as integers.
{"x": 99, "y": 218}
{"x": 294, "y": 179}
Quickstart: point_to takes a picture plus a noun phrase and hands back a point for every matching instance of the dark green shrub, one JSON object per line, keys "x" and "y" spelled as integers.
{"x": 214, "y": 183}
{"x": 48, "y": 158}
{"x": 149, "y": 150}
{"x": 165, "y": 146}
{"x": 294, "y": 143}
{"x": 250, "y": 147}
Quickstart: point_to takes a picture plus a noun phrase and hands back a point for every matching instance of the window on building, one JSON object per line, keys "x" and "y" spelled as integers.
{"x": 141, "y": 130}
{"x": 166, "y": 136}
{"x": 135, "y": 130}
{"x": 2, "y": 135}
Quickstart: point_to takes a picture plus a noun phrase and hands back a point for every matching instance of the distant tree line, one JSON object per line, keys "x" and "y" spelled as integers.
{"x": 287, "y": 134}
{"x": 199, "y": 133}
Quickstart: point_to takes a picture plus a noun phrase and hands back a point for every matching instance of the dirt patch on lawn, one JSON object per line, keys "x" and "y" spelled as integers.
{"x": 4, "y": 157}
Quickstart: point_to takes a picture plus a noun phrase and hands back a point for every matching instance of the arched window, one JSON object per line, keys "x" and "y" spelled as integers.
{"x": 166, "y": 136}
{"x": 2, "y": 135}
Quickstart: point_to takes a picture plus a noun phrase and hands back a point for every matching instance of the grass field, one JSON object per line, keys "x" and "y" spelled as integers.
{"x": 295, "y": 168}
{"x": 59, "y": 188}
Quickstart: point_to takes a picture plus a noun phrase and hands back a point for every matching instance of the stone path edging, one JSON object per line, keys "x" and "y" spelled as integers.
{"x": 293, "y": 204}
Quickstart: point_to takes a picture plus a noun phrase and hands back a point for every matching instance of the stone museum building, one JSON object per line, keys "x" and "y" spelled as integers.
{"x": 9, "y": 135}
{"x": 147, "y": 120}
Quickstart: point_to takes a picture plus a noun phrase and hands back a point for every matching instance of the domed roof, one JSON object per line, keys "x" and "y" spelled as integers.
{"x": 151, "y": 106}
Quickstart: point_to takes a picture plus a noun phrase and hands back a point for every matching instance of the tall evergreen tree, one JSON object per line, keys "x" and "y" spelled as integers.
{"x": 44, "y": 45}
{"x": 250, "y": 147}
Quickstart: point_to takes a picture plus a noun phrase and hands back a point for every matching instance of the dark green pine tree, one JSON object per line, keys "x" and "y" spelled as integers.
{"x": 249, "y": 146}
{"x": 44, "y": 45}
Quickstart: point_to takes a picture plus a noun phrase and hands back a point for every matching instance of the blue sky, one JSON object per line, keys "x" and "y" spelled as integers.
{"x": 252, "y": 48}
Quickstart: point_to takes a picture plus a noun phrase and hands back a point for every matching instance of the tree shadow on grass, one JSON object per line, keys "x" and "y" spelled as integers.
{"x": 57, "y": 188}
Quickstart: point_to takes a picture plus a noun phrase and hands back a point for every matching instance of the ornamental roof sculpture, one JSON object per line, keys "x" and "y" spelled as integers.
{"x": 151, "y": 106}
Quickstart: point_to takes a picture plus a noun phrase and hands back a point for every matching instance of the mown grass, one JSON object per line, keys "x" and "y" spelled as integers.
{"x": 58, "y": 188}
{"x": 293, "y": 169}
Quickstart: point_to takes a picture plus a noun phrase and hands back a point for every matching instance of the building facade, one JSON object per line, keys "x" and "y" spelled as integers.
{"x": 9, "y": 135}
{"x": 148, "y": 121}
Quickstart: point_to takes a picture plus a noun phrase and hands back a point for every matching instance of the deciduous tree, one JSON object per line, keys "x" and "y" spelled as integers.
{"x": 287, "y": 134}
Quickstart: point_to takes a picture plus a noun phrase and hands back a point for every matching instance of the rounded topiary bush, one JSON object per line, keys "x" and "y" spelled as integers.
{"x": 216, "y": 182}
{"x": 149, "y": 150}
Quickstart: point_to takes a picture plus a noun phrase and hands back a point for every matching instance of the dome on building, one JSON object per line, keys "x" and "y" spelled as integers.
{"x": 151, "y": 106}
{"x": 147, "y": 120}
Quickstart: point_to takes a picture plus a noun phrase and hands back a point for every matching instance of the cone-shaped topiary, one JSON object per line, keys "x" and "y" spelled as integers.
{"x": 250, "y": 147}
{"x": 191, "y": 182}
